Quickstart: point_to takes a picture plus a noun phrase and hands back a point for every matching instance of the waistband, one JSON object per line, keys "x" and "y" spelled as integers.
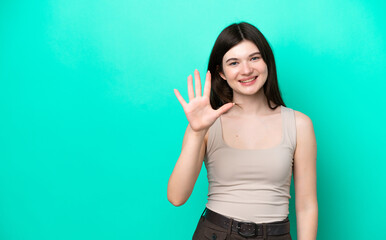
{"x": 247, "y": 229}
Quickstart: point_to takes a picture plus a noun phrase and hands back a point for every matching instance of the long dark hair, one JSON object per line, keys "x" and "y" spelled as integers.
{"x": 221, "y": 92}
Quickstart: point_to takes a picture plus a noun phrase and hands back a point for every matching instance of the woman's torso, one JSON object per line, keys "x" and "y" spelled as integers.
{"x": 249, "y": 164}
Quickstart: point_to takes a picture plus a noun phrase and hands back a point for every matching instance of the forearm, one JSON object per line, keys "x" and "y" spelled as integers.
{"x": 187, "y": 168}
{"x": 307, "y": 223}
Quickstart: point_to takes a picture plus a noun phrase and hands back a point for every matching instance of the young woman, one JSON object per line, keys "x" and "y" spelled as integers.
{"x": 250, "y": 142}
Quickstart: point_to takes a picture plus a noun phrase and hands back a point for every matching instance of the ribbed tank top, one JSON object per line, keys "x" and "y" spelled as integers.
{"x": 251, "y": 185}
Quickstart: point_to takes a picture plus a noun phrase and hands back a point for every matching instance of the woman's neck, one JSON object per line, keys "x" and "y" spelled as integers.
{"x": 250, "y": 105}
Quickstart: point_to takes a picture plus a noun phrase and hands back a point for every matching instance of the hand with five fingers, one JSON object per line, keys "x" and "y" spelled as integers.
{"x": 198, "y": 111}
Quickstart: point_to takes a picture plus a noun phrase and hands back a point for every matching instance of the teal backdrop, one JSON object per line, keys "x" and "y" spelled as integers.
{"x": 90, "y": 128}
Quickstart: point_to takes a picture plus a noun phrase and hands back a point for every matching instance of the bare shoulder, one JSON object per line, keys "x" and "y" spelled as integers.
{"x": 302, "y": 120}
{"x": 304, "y": 129}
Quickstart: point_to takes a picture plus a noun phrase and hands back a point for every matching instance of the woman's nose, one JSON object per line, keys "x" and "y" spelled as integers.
{"x": 246, "y": 69}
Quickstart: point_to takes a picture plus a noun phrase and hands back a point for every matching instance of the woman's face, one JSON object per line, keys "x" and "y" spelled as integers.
{"x": 244, "y": 69}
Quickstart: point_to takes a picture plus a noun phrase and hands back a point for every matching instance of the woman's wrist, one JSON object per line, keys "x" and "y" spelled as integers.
{"x": 199, "y": 133}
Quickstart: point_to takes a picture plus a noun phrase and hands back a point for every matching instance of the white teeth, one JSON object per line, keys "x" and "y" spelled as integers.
{"x": 250, "y": 80}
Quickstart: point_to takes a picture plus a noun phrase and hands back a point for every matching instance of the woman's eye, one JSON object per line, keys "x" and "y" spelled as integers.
{"x": 255, "y": 58}
{"x": 233, "y": 63}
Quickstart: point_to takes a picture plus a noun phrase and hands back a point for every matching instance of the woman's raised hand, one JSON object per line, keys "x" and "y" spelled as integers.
{"x": 198, "y": 111}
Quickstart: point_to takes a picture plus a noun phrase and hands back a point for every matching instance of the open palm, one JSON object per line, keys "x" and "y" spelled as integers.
{"x": 198, "y": 111}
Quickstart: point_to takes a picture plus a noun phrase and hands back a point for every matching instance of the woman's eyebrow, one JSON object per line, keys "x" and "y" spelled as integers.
{"x": 236, "y": 58}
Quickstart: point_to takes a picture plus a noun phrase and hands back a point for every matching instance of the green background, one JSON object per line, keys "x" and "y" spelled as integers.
{"x": 90, "y": 128}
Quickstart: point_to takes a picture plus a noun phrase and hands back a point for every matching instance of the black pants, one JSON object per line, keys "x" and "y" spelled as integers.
{"x": 208, "y": 230}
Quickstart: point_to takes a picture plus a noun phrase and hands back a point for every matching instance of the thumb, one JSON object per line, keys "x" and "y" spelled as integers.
{"x": 225, "y": 108}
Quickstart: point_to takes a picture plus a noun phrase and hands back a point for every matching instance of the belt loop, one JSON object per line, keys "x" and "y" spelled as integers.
{"x": 230, "y": 229}
{"x": 203, "y": 213}
{"x": 264, "y": 231}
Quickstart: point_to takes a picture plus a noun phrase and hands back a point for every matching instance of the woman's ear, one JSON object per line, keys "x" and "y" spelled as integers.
{"x": 220, "y": 73}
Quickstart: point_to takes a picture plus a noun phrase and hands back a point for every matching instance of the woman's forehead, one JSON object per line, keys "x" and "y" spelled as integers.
{"x": 242, "y": 50}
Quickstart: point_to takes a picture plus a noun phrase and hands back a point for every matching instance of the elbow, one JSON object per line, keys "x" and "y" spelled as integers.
{"x": 176, "y": 201}
{"x": 177, "y": 195}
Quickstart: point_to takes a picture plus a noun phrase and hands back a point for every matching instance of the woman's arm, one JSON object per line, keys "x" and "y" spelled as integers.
{"x": 201, "y": 116}
{"x": 305, "y": 178}
{"x": 187, "y": 168}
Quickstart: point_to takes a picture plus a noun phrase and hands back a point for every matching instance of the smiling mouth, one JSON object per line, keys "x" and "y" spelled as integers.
{"x": 249, "y": 80}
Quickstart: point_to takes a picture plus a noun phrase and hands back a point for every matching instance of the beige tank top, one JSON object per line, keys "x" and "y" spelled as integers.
{"x": 251, "y": 185}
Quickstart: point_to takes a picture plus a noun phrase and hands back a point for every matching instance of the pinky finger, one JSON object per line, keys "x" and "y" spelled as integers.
{"x": 180, "y": 98}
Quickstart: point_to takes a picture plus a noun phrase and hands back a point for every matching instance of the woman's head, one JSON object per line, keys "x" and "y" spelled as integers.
{"x": 230, "y": 37}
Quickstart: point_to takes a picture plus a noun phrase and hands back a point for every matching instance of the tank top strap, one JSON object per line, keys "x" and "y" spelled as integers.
{"x": 214, "y": 137}
{"x": 289, "y": 127}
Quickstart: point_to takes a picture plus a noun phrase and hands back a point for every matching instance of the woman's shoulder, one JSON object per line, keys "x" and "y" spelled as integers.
{"x": 304, "y": 126}
{"x": 302, "y": 119}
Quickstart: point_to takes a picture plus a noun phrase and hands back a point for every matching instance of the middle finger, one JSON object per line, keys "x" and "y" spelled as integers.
{"x": 197, "y": 82}
{"x": 190, "y": 88}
